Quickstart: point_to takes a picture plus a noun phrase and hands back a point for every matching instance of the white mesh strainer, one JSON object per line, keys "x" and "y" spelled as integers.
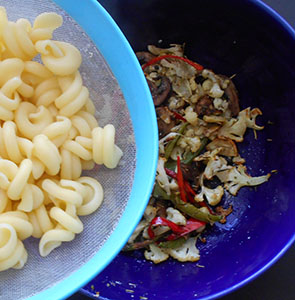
{"x": 105, "y": 231}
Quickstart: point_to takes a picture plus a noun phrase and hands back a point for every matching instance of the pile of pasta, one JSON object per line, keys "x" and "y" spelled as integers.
{"x": 48, "y": 135}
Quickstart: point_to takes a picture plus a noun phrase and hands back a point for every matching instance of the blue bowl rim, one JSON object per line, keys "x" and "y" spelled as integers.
{"x": 108, "y": 37}
{"x": 290, "y": 30}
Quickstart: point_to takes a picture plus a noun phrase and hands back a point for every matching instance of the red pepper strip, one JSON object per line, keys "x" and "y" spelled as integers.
{"x": 171, "y": 173}
{"x": 164, "y": 222}
{"x": 189, "y": 191}
{"x": 158, "y": 58}
{"x": 191, "y": 225}
{"x": 180, "y": 181}
{"x": 178, "y": 230}
{"x": 178, "y": 116}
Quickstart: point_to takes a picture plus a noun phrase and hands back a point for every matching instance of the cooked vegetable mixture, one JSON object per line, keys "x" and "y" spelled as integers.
{"x": 200, "y": 122}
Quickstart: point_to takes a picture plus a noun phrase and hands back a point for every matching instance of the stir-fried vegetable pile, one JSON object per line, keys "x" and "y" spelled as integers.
{"x": 200, "y": 122}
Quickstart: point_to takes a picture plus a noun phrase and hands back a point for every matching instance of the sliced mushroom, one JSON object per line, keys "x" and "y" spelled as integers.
{"x": 232, "y": 94}
{"x": 228, "y": 147}
{"x": 166, "y": 120}
{"x": 161, "y": 206}
{"x": 192, "y": 172}
{"x": 144, "y": 57}
{"x": 205, "y": 106}
{"x": 161, "y": 92}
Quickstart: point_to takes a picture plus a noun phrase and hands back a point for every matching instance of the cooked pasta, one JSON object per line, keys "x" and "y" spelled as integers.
{"x": 48, "y": 136}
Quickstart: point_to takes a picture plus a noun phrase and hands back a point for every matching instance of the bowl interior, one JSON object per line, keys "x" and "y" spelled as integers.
{"x": 231, "y": 37}
{"x": 114, "y": 81}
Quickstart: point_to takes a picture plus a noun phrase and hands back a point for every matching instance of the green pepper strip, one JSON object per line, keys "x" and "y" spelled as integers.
{"x": 195, "y": 212}
{"x": 172, "y": 244}
{"x": 158, "y": 192}
{"x": 191, "y": 155}
{"x": 170, "y": 146}
{"x": 171, "y": 164}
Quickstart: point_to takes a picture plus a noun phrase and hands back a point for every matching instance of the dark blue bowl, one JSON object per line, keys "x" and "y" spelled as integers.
{"x": 231, "y": 37}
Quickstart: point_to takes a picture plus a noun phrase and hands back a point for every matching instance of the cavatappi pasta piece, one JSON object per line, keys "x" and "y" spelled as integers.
{"x": 46, "y": 92}
{"x": 19, "y": 221}
{"x": 33, "y": 74}
{"x": 71, "y": 166}
{"x": 89, "y": 107}
{"x": 44, "y": 25}
{"x": 4, "y": 200}
{"x": 32, "y": 120}
{"x": 67, "y": 218}
{"x": 32, "y": 197}
{"x": 12, "y": 251}
{"x": 58, "y": 131}
{"x": 104, "y": 149}
{"x": 60, "y": 58}
{"x": 40, "y": 221}
{"x": 68, "y": 224}
{"x": 62, "y": 191}
{"x": 93, "y": 196}
{"x": 47, "y": 153}
{"x": 10, "y": 142}
{"x": 9, "y": 98}
{"x": 74, "y": 95}
{"x": 53, "y": 239}
{"x": 19, "y": 181}
{"x": 84, "y": 122}
{"x": 8, "y": 171}
{"x": 78, "y": 149}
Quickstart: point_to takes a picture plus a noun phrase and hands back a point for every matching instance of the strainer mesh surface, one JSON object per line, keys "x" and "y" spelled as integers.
{"x": 42, "y": 273}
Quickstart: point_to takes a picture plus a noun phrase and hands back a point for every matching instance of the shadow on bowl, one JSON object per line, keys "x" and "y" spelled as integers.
{"x": 230, "y": 37}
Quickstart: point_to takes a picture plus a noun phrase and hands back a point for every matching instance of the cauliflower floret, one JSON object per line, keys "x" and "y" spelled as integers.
{"x": 236, "y": 177}
{"x": 175, "y": 49}
{"x": 175, "y": 216}
{"x": 213, "y": 196}
{"x": 192, "y": 143}
{"x": 214, "y": 166}
{"x": 155, "y": 254}
{"x": 175, "y": 103}
{"x": 216, "y": 91}
{"x": 250, "y": 117}
{"x": 207, "y": 85}
{"x": 233, "y": 129}
{"x": 162, "y": 177}
{"x": 150, "y": 212}
{"x": 193, "y": 83}
{"x": 177, "y": 151}
{"x": 236, "y": 128}
{"x": 186, "y": 252}
{"x": 220, "y": 104}
{"x": 198, "y": 93}
{"x": 139, "y": 228}
{"x": 191, "y": 116}
{"x": 182, "y": 87}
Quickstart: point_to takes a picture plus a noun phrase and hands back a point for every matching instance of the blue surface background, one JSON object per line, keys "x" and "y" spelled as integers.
{"x": 278, "y": 281}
